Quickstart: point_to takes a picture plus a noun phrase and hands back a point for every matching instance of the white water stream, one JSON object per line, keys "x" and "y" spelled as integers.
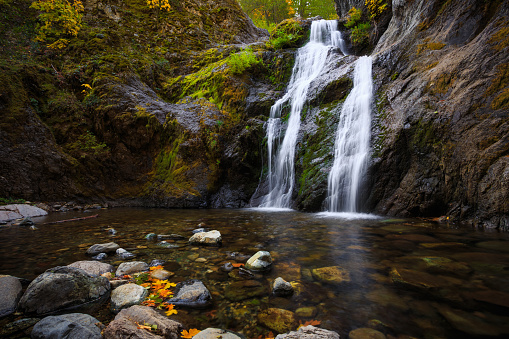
{"x": 351, "y": 148}
{"x": 309, "y": 63}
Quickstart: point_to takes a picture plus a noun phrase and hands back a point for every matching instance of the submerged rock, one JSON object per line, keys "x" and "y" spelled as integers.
{"x": 278, "y": 319}
{"x": 68, "y": 326}
{"x": 10, "y": 290}
{"x": 260, "y": 261}
{"x": 191, "y": 293}
{"x": 125, "y": 324}
{"x": 331, "y": 275}
{"x": 309, "y": 332}
{"x": 127, "y": 295}
{"x": 211, "y": 238}
{"x": 93, "y": 267}
{"x": 109, "y": 247}
{"x": 124, "y": 254}
{"x": 245, "y": 289}
{"x": 365, "y": 333}
{"x": 282, "y": 288}
{"x": 63, "y": 289}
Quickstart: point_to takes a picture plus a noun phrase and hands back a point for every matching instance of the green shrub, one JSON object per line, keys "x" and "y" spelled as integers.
{"x": 354, "y": 16}
{"x": 360, "y": 33}
{"x": 287, "y": 34}
{"x": 239, "y": 62}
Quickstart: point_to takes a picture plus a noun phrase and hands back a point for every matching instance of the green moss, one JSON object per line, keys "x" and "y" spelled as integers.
{"x": 289, "y": 33}
{"x": 442, "y": 84}
{"x": 423, "y": 136}
{"x": 501, "y": 80}
{"x": 429, "y": 45}
{"x": 86, "y": 143}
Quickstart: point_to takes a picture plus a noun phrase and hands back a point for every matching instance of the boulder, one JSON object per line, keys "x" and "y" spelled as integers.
{"x": 191, "y": 293}
{"x": 67, "y": 326}
{"x": 127, "y": 295}
{"x": 64, "y": 289}
{"x": 124, "y": 325}
{"x": 331, "y": 275}
{"x": 92, "y": 267}
{"x": 109, "y": 247}
{"x": 10, "y": 290}
{"x": 282, "y": 288}
{"x": 260, "y": 261}
{"x": 309, "y": 332}
{"x": 278, "y": 319}
{"x": 211, "y": 238}
{"x": 161, "y": 274}
{"x": 213, "y": 333}
{"x": 127, "y": 268}
{"x": 366, "y": 333}
{"x": 17, "y": 211}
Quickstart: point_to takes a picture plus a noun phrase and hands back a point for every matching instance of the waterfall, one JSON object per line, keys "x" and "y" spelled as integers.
{"x": 351, "y": 148}
{"x": 309, "y": 63}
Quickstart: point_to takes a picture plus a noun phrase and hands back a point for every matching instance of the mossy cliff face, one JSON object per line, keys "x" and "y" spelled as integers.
{"x": 441, "y": 135}
{"x": 100, "y": 120}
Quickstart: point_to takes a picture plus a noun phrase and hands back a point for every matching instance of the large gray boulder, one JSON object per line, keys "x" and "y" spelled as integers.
{"x": 309, "y": 332}
{"x": 93, "y": 267}
{"x": 67, "y": 326}
{"x": 124, "y": 325}
{"x": 63, "y": 289}
{"x": 17, "y": 211}
{"x": 191, "y": 293}
{"x": 127, "y": 295}
{"x": 10, "y": 290}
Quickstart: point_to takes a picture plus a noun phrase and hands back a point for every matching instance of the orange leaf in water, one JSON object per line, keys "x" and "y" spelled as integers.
{"x": 310, "y": 322}
{"x": 237, "y": 265}
{"x": 211, "y": 314}
{"x": 149, "y": 303}
{"x": 192, "y": 332}
{"x": 153, "y": 268}
{"x": 171, "y": 309}
{"x": 164, "y": 293}
{"x": 159, "y": 284}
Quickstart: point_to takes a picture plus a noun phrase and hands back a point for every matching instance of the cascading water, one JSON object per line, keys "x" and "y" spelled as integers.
{"x": 309, "y": 63}
{"x": 351, "y": 148}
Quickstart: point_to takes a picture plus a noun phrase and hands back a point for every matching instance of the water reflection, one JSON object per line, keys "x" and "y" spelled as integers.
{"x": 405, "y": 276}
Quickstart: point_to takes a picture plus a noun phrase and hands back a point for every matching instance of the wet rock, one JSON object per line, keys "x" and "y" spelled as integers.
{"x": 112, "y": 231}
{"x": 365, "y": 333}
{"x": 124, "y": 254}
{"x": 227, "y": 267}
{"x": 245, "y": 289}
{"x": 468, "y": 323}
{"x": 306, "y": 312}
{"x": 157, "y": 262}
{"x": 191, "y": 293}
{"x": 199, "y": 230}
{"x": 331, "y": 275}
{"x": 62, "y": 289}
{"x": 261, "y": 261}
{"x": 282, "y": 288}
{"x": 127, "y": 268}
{"x": 127, "y": 295}
{"x": 18, "y": 328}
{"x": 124, "y": 325}
{"x": 211, "y": 238}
{"x": 10, "y": 290}
{"x": 17, "y": 211}
{"x": 166, "y": 244}
{"x": 170, "y": 237}
{"x": 67, "y": 326}
{"x": 237, "y": 256}
{"x": 278, "y": 319}
{"x": 161, "y": 274}
{"x": 151, "y": 236}
{"x": 100, "y": 256}
{"x": 446, "y": 265}
{"x": 27, "y": 222}
{"x": 200, "y": 260}
{"x": 118, "y": 282}
{"x": 109, "y": 247}
{"x": 213, "y": 333}
{"x": 92, "y": 267}
{"x": 418, "y": 280}
{"x": 309, "y": 332}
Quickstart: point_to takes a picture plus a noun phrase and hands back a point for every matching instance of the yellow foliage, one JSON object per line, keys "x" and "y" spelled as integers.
{"x": 192, "y": 332}
{"x": 375, "y": 8}
{"x": 161, "y": 4}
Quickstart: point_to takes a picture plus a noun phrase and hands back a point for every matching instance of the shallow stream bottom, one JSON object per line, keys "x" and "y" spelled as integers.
{"x": 407, "y": 277}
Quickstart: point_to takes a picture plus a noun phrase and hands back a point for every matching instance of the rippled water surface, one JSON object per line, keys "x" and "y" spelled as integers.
{"x": 407, "y": 277}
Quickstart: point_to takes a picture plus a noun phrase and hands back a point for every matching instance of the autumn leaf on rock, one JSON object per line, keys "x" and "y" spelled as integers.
{"x": 149, "y": 303}
{"x": 171, "y": 309}
{"x": 164, "y": 293}
{"x": 143, "y": 327}
{"x": 310, "y": 322}
{"x": 192, "y": 332}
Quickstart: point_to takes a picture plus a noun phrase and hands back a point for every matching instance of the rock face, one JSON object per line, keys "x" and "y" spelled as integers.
{"x": 10, "y": 289}
{"x": 127, "y": 295}
{"x": 16, "y": 211}
{"x": 62, "y": 289}
{"x": 309, "y": 332}
{"x": 67, "y": 326}
{"x": 124, "y": 325}
{"x": 211, "y": 238}
{"x": 92, "y": 267}
{"x": 191, "y": 293}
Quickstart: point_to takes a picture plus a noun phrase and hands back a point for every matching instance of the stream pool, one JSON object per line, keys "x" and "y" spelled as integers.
{"x": 408, "y": 277}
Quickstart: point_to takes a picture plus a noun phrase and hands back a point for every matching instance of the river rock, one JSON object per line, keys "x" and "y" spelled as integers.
{"x": 93, "y": 267}
{"x": 306, "y": 312}
{"x": 67, "y": 326}
{"x": 244, "y": 289}
{"x": 17, "y": 211}
{"x": 109, "y": 247}
{"x": 124, "y": 254}
{"x": 365, "y": 333}
{"x": 151, "y": 236}
{"x": 214, "y": 333}
{"x": 211, "y": 238}
{"x": 417, "y": 279}
{"x": 260, "y": 261}
{"x": 278, "y": 320}
{"x": 282, "y": 288}
{"x": 309, "y": 332}
{"x": 161, "y": 274}
{"x": 127, "y": 295}
{"x": 100, "y": 256}
{"x": 62, "y": 289}
{"x": 157, "y": 262}
{"x": 10, "y": 290}
{"x": 191, "y": 293}
{"x": 127, "y": 268}
{"x": 331, "y": 275}
{"x": 124, "y": 325}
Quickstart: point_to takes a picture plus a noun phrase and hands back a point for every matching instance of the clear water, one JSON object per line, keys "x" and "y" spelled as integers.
{"x": 466, "y": 297}
{"x": 351, "y": 148}
{"x": 309, "y": 63}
